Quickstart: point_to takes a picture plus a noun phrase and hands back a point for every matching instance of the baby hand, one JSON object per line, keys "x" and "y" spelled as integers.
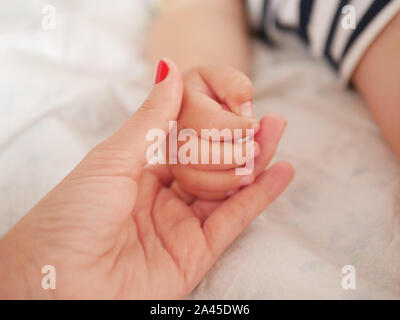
{"x": 220, "y": 98}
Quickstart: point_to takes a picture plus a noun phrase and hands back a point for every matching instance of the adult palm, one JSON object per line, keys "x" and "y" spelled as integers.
{"x": 112, "y": 229}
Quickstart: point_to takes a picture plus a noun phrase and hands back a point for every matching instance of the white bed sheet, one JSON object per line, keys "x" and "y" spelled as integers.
{"x": 64, "y": 90}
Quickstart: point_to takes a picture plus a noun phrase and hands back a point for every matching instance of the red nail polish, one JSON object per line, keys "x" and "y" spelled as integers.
{"x": 162, "y": 71}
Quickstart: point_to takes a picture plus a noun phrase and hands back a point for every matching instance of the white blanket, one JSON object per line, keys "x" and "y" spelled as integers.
{"x": 64, "y": 90}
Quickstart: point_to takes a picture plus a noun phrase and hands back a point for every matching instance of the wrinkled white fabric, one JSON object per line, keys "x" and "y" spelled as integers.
{"x": 64, "y": 90}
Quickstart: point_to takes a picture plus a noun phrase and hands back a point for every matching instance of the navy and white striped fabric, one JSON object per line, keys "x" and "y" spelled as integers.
{"x": 319, "y": 24}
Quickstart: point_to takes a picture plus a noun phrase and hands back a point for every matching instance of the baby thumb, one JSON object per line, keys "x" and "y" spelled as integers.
{"x": 130, "y": 142}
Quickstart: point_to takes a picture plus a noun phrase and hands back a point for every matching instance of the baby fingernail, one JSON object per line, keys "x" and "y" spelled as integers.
{"x": 246, "y": 180}
{"x": 253, "y": 152}
{"x": 246, "y": 109}
{"x": 231, "y": 192}
{"x": 255, "y": 127}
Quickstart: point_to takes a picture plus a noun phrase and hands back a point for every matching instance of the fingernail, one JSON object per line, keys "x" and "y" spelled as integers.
{"x": 255, "y": 126}
{"x": 232, "y": 192}
{"x": 253, "y": 152}
{"x": 162, "y": 71}
{"x": 246, "y": 180}
{"x": 279, "y": 118}
{"x": 246, "y": 109}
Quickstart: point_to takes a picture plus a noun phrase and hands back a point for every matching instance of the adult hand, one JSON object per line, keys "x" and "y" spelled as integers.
{"x": 113, "y": 229}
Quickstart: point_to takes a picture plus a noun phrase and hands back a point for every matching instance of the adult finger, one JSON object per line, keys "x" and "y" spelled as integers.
{"x": 237, "y": 212}
{"x": 125, "y": 151}
{"x": 268, "y": 137}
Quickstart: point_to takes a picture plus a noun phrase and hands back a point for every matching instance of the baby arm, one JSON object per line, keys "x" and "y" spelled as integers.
{"x": 201, "y": 32}
{"x": 378, "y": 80}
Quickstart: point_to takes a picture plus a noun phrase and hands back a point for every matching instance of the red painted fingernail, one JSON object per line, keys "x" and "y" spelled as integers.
{"x": 162, "y": 71}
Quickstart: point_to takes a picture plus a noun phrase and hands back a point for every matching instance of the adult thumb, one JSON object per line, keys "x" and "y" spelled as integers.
{"x": 129, "y": 144}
